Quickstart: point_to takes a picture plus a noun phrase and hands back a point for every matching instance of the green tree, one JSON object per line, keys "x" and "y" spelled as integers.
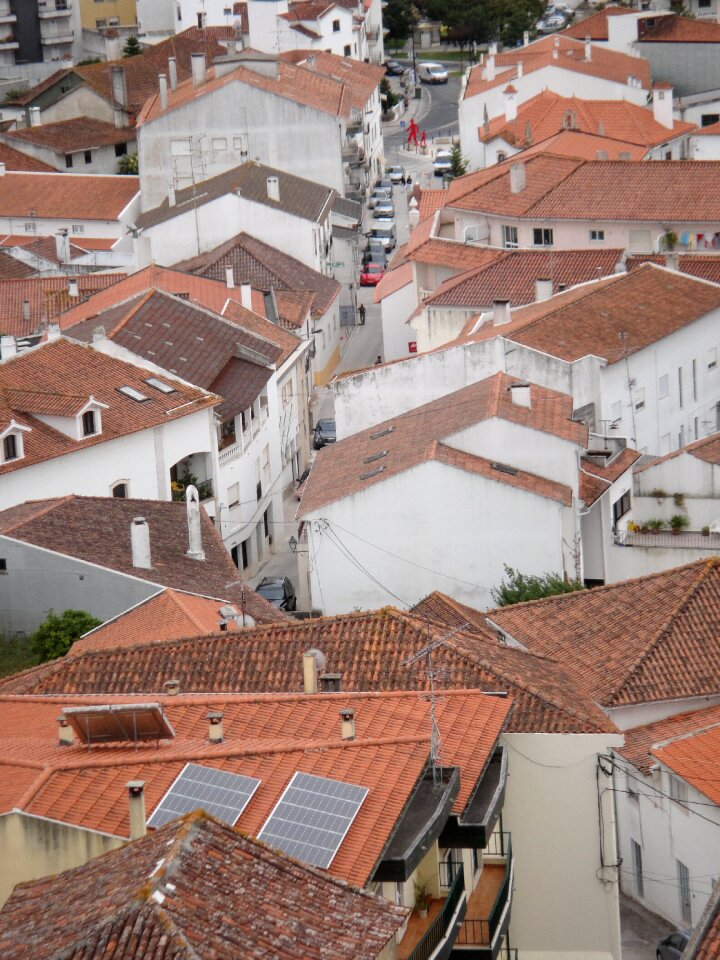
{"x": 458, "y": 162}
{"x": 398, "y": 20}
{"x": 56, "y": 634}
{"x": 388, "y": 97}
{"x": 128, "y": 163}
{"x": 482, "y": 21}
{"x": 132, "y": 47}
{"x": 518, "y": 587}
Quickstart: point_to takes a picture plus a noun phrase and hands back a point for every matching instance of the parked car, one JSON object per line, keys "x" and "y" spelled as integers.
{"x": 672, "y": 946}
{"x": 432, "y": 73}
{"x": 395, "y": 174}
{"x": 384, "y": 231}
{"x": 375, "y": 253}
{"x": 442, "y": 163}
{"x": 384, "y": 209}
{"x": 552, "y": 22}
{"x": 393, "y": 68}
{"x": 384, "y": 183}
{"x": 324, "y": 433}
{"x": 371, "y": 275}
{"x": 279, "y": 591}
{"x": 379, "y": 193}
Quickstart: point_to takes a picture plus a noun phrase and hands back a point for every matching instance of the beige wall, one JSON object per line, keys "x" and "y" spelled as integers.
{"x": 32, "y": 847}
{"x": 92, "y": 10}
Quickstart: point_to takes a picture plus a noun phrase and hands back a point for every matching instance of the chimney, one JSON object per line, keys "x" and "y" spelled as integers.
{"x": 2, "y": 169}
{"x": 520, "y": 69}
{"x": 197, "y": 65}
{"x": 65, "y": 733}
{"x": 517, "y": 177}
{"x": 53, "y": 331}
{"x": 112, "y": 46}
{"x": 162, "y": 81}
{"x": 490, "y": 68}
{"x": 526, "y": 37}
{"x": 73, "y": 290}
{"x": 140, "y": 543}
{"x": 172, "y": 72}
{"x": 273, "y": 189}
{"x": 136, "y": 802}
{"x": 230, "y": 278}
{"x": 501, "y": 312}
{"x": 663, "y": 105}
{"x": 347, "y": 723}
{"x": 26, "y": 310}
{"x": 588, "y": 49}
{"x": 310, "y": 672}
{"x": 556, "y": 45}
{"x": 171, "y": 196}
{"x": 98, "y": 334}
{"x": 246, "y": 295}
{"x": 543, "y": 289}
{"x": 215, "y": 728}
{"x": 62, "y": 245}
{"x": 331, "y": 682}
{"x": 510, "y": 94}
{"x": 672, "y": 261}
{"x": 119, "y": 86}
{"x": 171, "y": 688}
{"x": 492, "y": 49}
{"x": 34, "y": 113}
{"x": 8, "y": 346}
{"x": 601, "y": 155}
{"x": 520, "y": 394}
{"x": 192, "y": 498}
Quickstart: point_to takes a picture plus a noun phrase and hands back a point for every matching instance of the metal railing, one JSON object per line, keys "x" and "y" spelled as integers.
{"x": 665, "y": 538}
{"x": 482, "y": 932}
{"x": 438, "y": 929}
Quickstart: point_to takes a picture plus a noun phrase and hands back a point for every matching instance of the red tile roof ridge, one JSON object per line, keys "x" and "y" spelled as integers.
{"x": 139, "y": 302}
{"x": 690, "y": 448}
{"x": 687, "y": 734}
{"x": 640, "y": 740}
{"x": 44, "y": 507}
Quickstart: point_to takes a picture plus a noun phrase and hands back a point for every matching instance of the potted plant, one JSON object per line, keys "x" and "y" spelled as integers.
{"x": 422, "y": 899}
{"x": 678, "y": 522}
{"x": 658, "y": 494}
{"x": 669, "y": 240}
{"x": 705, "y": 531}
{"x": 679, "y": 499}
{"x": 655, "y": 526}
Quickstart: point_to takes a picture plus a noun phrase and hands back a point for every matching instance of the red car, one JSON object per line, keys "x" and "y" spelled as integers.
{"x": 372, "y": 274}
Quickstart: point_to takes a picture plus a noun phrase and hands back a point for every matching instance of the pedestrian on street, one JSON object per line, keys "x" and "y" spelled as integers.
{"x": 379, "y": 360}
{"x": 408, "y": 181}
{"x": 361, "y": 314}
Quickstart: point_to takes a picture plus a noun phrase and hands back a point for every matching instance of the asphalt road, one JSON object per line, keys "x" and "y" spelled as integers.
{"x": 437, "y": 112}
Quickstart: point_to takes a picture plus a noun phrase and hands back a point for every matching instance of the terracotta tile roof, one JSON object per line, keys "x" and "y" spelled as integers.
{"x": 393, "y": 281}
{"x": 100, "y": 534}
{"x": 48, "y": 298}
{"x": 453, "y": 254}
{"x": 16, "y": 160}
{"x": 420, "y": 234}
{"x": 694, "y": 757}
{"x": 285, "y": 341}
{"x": 644, "y": 306}
{"x": 298, "y": 197}
{"x": 449, "y": 612}
{"x": 294, "y": 307}
{"x": 585, "y": 146}
{"x": 511, "y": 275}
{"x": 638, "y": 641}
{"x": 712, "y": 130}
{"x": 704, "y": 944}
{"x": 674, "y": 29}
{"x": 417, "y": 436}
{"x": 707, "y": 449}
{"x": 360, "y": 79}
{"x": 307, "y": 10}
{"x": 249, "y": 895}
{"x": 76, "y": 133}
{"x": 704, "y": 266}
{"x": 594, "y": 486}
{"x": 638, "y": 748}
{"x": 266, "y": 268}
{"x": 66, "y": 369}
{"x": 270, "y": 738}
{"x": 430, "y": 201}
{"x": 595, "y": 26}
{"x": 548, "y": 113}
{"x": 13, "y": 269}
{"x": 605, "y": 64}
{"x": 65, "y": 196}
{"x": 369, "y": 649}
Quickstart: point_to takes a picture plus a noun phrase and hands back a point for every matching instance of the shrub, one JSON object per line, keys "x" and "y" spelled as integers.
{"x": 519, "y": 587}
{"x": 56, "y": 634}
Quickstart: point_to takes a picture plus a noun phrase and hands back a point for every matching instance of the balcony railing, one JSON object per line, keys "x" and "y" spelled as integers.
{"x": 485, "y": 932}
{"x": 690, "y": 539}
{"x": 440, "y": 926}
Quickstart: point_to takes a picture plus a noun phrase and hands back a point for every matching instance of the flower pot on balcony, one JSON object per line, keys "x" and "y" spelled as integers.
{"x": 422, "y": 911}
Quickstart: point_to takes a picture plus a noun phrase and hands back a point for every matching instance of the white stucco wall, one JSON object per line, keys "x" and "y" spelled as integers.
{"x": 79, "y": 226}
{"x": 396, "y": 331}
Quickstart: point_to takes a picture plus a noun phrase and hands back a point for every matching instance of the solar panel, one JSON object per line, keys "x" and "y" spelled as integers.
{"x": 119, "y": 722}
{"x": 224, "y": 795}
{"x": 311, "y": 818}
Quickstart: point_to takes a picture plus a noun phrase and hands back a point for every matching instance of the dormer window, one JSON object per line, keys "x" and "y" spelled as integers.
{"x": 10, "y": 447}
{"x": 11, "y": 443}
{"x": 89, "y": 423}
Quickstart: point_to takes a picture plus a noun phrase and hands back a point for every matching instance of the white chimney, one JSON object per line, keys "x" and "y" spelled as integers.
{"x": 119, "y": 87}
{"x": 543, "y": 289}
{"x": 230, "y": 278}
{"x": 526, "y": 37}
{"x": 672, "y": 261}
{"x": 65, "y": 733}
{"x": 8, "y": 346}
{"x": 26, "y": 310}
{"x": 588, "y": 49}
{"x": 520, "y": 395}
{"x": 172, "y": 72}
{"x": 112, "y": 45}
{"x": 140, "y": 543}
{"x": 517, "y": 177}
{"x": 34, "y": 113}
{"x": 53, "y": 331}
{"x": 73, "y": 289}
{"x": 520, "y": 69}
{"x": 192, "y": 498}
{"x": 136, "y": 802}
{"x": 492, "y": 49}
{"x": 602, "y": 155}
{"x": 510, "y": 94}
{"x": 490, "y": 68}
{"x": 62, "y": 245}
{"x": 2, "y": 169}
{"x": 273, "y": 189}
{"x": 171, "y": 196}
{"x": 501, "y": 312}
{"x": 197, "y": 65}
{"x": 663, "y": 105}
{"x": 215, "y": 727}
{"x": 246, "y": 295}
{"x": 98, "y": 334}
{"x": 162, "y": 82}
{"x": 347, "y": 723}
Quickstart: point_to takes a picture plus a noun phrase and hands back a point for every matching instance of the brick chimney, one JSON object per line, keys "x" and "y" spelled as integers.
{"x": 136, "y": 802}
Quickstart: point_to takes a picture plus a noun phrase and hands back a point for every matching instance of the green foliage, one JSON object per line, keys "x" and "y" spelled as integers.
{"x": 518, "y": 587}
{"x": 14, "y": 94}
{"x": 132, "y": 47}
{"x": 15, "y": 655}
{"x": 128, "y": 163}
{"x": 678, "y": 522}
{"x": 388, "y": 97}
{"x": 398, "y": 19}
{"x": 56, "y": 634}
{"x": 482, "y": 21}
{"x": 88, "y": 61}
{"x": 458, "y": 161}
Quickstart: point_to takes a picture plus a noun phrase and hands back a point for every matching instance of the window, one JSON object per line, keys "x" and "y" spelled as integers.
{"x": 113, "y": 21}
{"x": 120, "y": 149}
{"x": 678, "y": 790}
{"x": 712, "y": 359}
{"x": 639, "y": 398}
{"x": 637, "y": 868}
{"x": 88, "y": 156}
{"x": 542, "y": 237}
{"x": 78, "y": 228}
{"x": 30, "y": 227}
{"x": 10, "y": 448}
{"x": 266, "y": 525}
{"x": 99, "y": 24}
{"x": 663, "y": 386}
{"x": 694, "y": 379}
{"x": 680, "y": 387}
{"x": 159, "y": 385}
{"x": 219, "y": 143}
{"x": 347, "y": 50}
{"x": 703, "y": 3}
{"x": 510, "y": 236}
{"x": 597, "y": 235}
{"x": 632, "y": 788}
{"x": 133, "y": 394}
{"x": 233, "y": 494}
{"x": 3, "y": 565}
{"x": 683, "y": 876}
{"x": 621, "y": 507}
{"x": 68, "y": 160}
{"x": 501, "y": 155}
{"x": 681, "y": 437}
{"x": 696, "y": 427}
{"x": 240, "y": 143}
{"x": 336, "y": 26}
{"x": 88, "y": 423}
{"x": 120, "y": 490}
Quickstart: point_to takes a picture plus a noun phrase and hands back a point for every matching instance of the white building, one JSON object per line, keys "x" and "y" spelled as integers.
{"x": 278, "y": 25}
{"x": 270, "y": 109}
{"x": 81, "y": 144}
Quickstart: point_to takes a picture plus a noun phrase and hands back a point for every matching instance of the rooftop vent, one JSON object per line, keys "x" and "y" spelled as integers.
{"x": 330, "y": 682}
{"x": 504, "y": 468}
{"x": 313, "y": 661}
{"x": 347, "y": 723}
{"x": 215, "y": 726}
{"x": 381, "y": 433}
{"x": 375, "y": 456}
{"x": 371, "y": 473}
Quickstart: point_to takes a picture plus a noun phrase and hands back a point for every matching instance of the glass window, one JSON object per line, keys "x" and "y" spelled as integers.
{"x": 678, "y": 790}
{"x": 597, "y": 235}
{"x": 120, "y": 149}
{"x": 68, "y": 160}
{"x": 663, "y": 386}
{"x": 680, "y": 386}
{"x": 336, "y": 26}
{"x": 120, "y": 490}
{"x": 683, "y": 875}
{"x": 621, "y": 507}
{"x": 712, "y": 358}
{"x": 639, "y": 398}
{"x": 347, "y": 50}
{"x": 637, "y": 868}
{"x": 542, "y": 237}
{"x": 10, "y": 447}
{"x": 510, "y": 236}
{"x": 88, "y": 423}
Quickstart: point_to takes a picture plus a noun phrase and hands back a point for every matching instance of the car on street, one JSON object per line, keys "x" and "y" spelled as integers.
{"x": 384, "y": 209}
{"x": 557, "y": 20}
{"x": 442, "y": 163}
{"x": 375, "y": 253}
{"x": 279, "y": 591}
{"x": 384, "y": 231}
{"x": 432, "y": 73}
{"x": 395, "y": 174}
{"x": 672, "y": 946}
{"x": 384, "y": 183}
{"x": 371, "y": 275}
{"x": 393, "y": 68}
{"x": 324, "y": 433}
{"x": 379, "y": 193}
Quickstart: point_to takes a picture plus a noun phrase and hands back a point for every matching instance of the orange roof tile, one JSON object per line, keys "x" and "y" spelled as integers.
{"x": 694, "y": 757}
{"x": 707, "y": 449}
{"x": 585, "y": 146}
{"x": 704, "y": 944}
{"x": 47, "y": 298}
{"x": 430, "y": 201}
{"x": 73, "y": 134}
{"x": 674, "y": 29}
{"x": 65, "y": 196}
{"x": 595, "y": 26}
{"x": 705, "y": 266}
{"x": 393, "y": 281}
{"x": 16, "y": 160}
{"x": 639, "y": 741}
{"x": 453, "y": 254}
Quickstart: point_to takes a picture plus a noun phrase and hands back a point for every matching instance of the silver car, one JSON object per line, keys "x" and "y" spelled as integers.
{"x": 384, "y": 208}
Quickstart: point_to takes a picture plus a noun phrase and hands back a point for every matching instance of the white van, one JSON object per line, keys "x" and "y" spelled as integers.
{"x": 432, "y": 73}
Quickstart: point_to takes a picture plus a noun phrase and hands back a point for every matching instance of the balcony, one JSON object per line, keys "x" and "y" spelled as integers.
{"x": 474, "y": 827}
{"x": 487, "y": 917}
{"x": 433, "y": 935}
{"x": 49, "y": 11}
{"x": 690, "y": 539}
{"x": 353, "y": 152}
{"x": 8, "y": 43}
{"x": 56, "y": 39}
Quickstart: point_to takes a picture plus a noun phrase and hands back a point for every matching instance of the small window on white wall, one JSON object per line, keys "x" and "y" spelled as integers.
{"x": 219, "y": 143}
{"x": 120, "y": 490}
{"x": 639, "y": 399}
{"x": 233, "y": 494}
{"x": 712, "y": 359}
{"x": 663, "y": 386}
